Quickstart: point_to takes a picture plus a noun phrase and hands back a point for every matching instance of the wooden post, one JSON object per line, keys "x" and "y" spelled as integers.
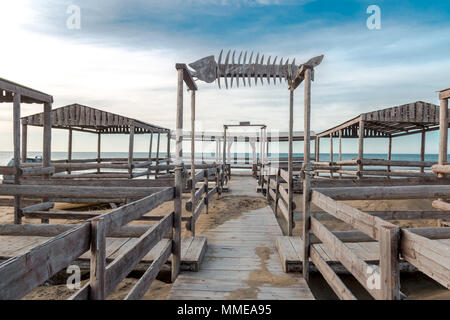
{"x": 225, "y": 153}
{"x": 389, "y": 263}
{"x": 443, "y": 133}
{"x": 98, "y": 260}
{"x": 331, "y": 154}
{"x": 194, "y": 204}
{"x": 150, "y": 154}
{"x": 47, "y": 144}
{"x": 24, "y": 141}
{"x": 205, "y": 185}
{"x": 306, "y": 182}
{"x": 317, "y": 152}
{"x": 157, "y": 154}
{"x": 290, "y": 165}
{"x": 317, "y": 149}
{"x": 69, "y": 149}
{"x": 422, "y": 149}
{"x": 277, "y": 192}
{"x": 176, "y": 234}
{"x": 99, "y": 143}
{"x": 360, "y": 147}
{"x": 131, "y": 150}
{"x": 389, "y": 153}
{"x": 168, "y": 151}
{"x": 16, "y": 141}
{"x": 340, "y": 151}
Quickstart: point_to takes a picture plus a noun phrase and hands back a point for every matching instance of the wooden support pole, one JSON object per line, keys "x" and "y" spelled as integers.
{"x": 443, "y": 133}
{"x": 150, "y": 154}
{"x": 331, "y": 154}
{"x": 69, "y": 149}
{"x": 98, "y": 260}
{"x": 389, "y": 152}
{"x": 24, "y": 141}
{"x": 290, "y": 164}
{"x": 340, "y": 151}
{"x": 47, "y": 145}
{"x": 168, "y": 150}
{"x": 99, "y": 143}
{"x": 158, "y": 142}
{"x": 306, "y": 178}
{"x": 176, "y": 234}
{"x": 422, "y": 148}
{"x": 16, "y": 142}
{"x": 131, "y": 149}
{"x": 317, "y": 152}
{"x": 224, "y": 155}
{"x": 194, "y": 205}
{"x": 360, "y": 146}
{"x": 389, "y": 262}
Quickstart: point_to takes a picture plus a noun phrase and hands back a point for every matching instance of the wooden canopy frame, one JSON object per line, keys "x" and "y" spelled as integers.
{"x": 76, "y": 117}
{"x": 408, "y": 119}
{"x": 17, "y": 94}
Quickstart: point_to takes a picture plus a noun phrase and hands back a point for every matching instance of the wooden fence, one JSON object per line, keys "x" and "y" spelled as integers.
{"x": 20, "y": 275}
{"x": 378, "y": 168}
{"x": 201, "y": 195}
{"x": 415, "y": 246}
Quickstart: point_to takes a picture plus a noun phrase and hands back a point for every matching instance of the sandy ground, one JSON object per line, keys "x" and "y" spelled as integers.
{"x": 415, "y": 286}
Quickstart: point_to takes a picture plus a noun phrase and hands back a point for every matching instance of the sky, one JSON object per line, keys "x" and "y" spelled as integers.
{"x": 122, "y": 59}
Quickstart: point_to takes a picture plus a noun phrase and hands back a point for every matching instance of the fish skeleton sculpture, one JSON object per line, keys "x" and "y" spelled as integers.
{"x": 208, "y": 70}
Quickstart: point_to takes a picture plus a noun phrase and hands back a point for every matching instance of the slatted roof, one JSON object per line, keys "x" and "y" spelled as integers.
{"x": 396, "y": 121}
{"x": 28, "y": 95}
{"x": 82, "y": 118}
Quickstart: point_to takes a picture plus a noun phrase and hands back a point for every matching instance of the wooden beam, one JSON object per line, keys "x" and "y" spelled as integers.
{"x": 187, "y": 77}
{"x": 290, "y": 164}
{"x": 306, "y": 179}
{"x": 422, "y": 148}
{"x": 24, "y": 141}
{"x": 360, "y": 145}
{"x": 98, "y": 260}
{"x": 16, "y": 143}
{"x": 443, "y": 133}
{"x": 176, "y": 233}
{"x": 389, "y": 262}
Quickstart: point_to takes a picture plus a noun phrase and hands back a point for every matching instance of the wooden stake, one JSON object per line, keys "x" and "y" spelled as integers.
{"x": 306, "y": 180}
{"x": 443, "y": 133}
{"x": 194, "y": 205}
{"x": 99, "y": 143}
{"x": 16, "y": 141}
{"x": 340, "y": 151}
{"x": 24, "y": 142}
{"x": 290, "y": 165}
{"x": 150, "y": 154}
{"x": 176, "y": 234}
{"x": 389, "y": 153}
{"x": 360, "y": 146}
{"x": 331, "y": 154}
{"x": 47, "y": 145}
{"x": 389, "y": 262}
{"x": 131, "y": 150}
{"x": 422, "y": 149}
{"x": 69, "y": 149}
{"x": 98, "y": 260}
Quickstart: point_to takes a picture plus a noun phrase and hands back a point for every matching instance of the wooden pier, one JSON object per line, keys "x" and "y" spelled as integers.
{"x": 241, "y": 261}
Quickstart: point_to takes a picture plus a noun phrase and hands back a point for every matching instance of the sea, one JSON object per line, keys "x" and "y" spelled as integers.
{"x": 6, "y": 156}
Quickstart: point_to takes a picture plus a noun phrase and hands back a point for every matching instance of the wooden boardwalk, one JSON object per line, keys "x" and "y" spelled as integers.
{"x": 241, "y": 260}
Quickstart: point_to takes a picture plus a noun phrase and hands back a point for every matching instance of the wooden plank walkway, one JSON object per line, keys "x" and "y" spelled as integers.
{"x": 241, "y": 261}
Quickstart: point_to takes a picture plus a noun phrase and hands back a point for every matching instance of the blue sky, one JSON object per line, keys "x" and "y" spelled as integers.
{"x": 122, "y": 59}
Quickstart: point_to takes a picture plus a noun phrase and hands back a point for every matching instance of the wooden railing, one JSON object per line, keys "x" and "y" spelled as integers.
{"x": 20, "y": 275}
{"x": 201, "y": 196}
{"x": 379, "y": 168}
{"x": 274, "y": 182}
{"x": 415, "y": 245}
